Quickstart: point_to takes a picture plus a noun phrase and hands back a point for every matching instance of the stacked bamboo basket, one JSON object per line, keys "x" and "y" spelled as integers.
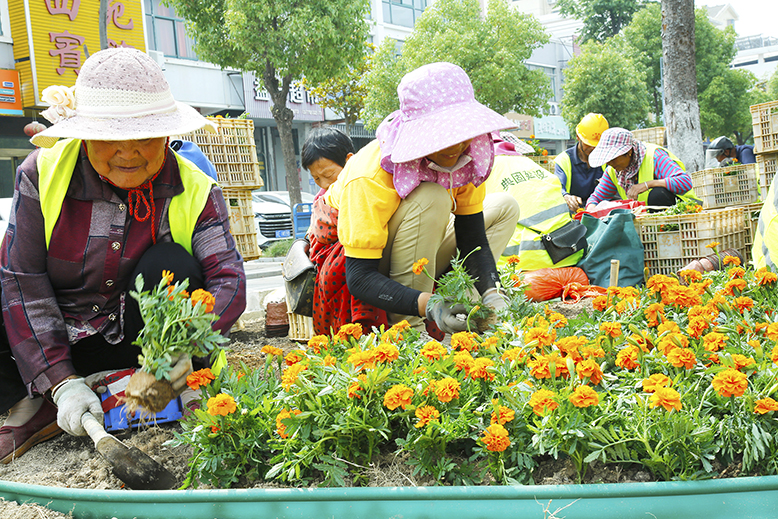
{"x": 233, "y": 152}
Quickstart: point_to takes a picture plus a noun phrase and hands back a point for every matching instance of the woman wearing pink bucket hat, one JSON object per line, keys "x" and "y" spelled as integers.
{"x": 417, "y": 192}
{"x": 91, "y": 212}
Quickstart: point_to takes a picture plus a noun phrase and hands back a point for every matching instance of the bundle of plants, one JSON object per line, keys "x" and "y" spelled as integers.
{"x": 676, "y": 379}
{"x": 177, "y": 327}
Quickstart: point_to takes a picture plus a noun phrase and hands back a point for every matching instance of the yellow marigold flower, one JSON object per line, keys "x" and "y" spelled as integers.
{"x": 479, "y": 369}
{"x": 668, "y": 326}
{"x": 418, "y": 265}
{"x": 318, "y": 343}
{"x": 558, "y": 319}
{"x": 272, "y": 350}
{"x": 589, "y": 368}
{"x": 496, "y": 438}
{"x": 513, "y": 354}
{"x": 741, "y": 361}
{"x": 712, "y": 245}
{"x": 730, "y": 382}
{"x": 584, "y": 396}
{"x": 201, "y": 377}
{"x": 464, "y": 341}
{"x": 447, "y": 389}
{"x": 774, "y": 354}
{"x": 289, "y": 377}
{"x": 771, "y": 331}
{"x": 284, "y": 414}
{"x": 731, "y": 260}
{"x": 682, "y": 358}
{"x": 205, "y": 298}
{"x": 426, "y": 414}
{"x": 542, "y": 401}
{"x": 513, "y": 260}
{"x": 765, "y": 277}
{"x": 612, "y": 329}
{"x": 386, "y": 352}
{"x": 329, "y": 360}
{"x": 503, "y": 415}
{"x": 221, "y": 405}
{"x": 167, "y": 276}
{"x": 592, "y": 351}
{"x": 765, "y": 405}
{"x": 656, "y": 381}
{"x": 398, "y": 395}
{"x": 627, "y": 358}
{"x": 363, "y": 359}
{"x": 433, "y": 350}
{"x": 666, "y": 397}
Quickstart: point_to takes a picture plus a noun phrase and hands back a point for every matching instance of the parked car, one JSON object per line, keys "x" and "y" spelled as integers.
{"x": 273, "y": 215}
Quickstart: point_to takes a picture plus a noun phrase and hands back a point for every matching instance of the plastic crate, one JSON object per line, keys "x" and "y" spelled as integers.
{"x": 654, "y": 135}
{"x": 722, "y": 187}
{"x": 764, "y": 119}
{"x": 300, "y": 327}
{"x": 116, "y": 418}
{"x": 232, "y": 150}
{"x": 766, "y": 163}
{"x": 241, "y": 210}
{"x": 751, "y": 216}
{"x": 247, "y": 245}
{"x": 671, "y": 242}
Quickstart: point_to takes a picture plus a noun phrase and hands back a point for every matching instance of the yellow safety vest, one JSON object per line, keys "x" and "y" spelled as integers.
{"x": 766, "y": 236}
{"x": 542, "y": 206}
{"x": 563, "y": 161}
{"x": 646, "y": 173}
{"x": 55, "y": 170}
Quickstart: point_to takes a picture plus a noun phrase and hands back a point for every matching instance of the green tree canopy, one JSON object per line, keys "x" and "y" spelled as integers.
{"x": 772, "y": 87}
{"x": 605, "y": 79}
{"x": 280, "y": 42}
{"x": 725, "y": 105}
{"x": 602, "y": 19}
{"x": 714, "y": 49}
{"x": 491, "y": 49}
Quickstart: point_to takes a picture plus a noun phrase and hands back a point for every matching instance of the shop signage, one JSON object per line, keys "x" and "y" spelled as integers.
{"x": 10, "y": 93}
{"x": 299, "y": 100}
{"x": 525, "y": 125}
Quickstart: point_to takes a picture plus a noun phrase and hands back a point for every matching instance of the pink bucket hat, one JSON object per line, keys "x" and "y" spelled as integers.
{"x": 437, "y": 110}
{"x": 613, "y": 143}
{"x": 120, "y": 94}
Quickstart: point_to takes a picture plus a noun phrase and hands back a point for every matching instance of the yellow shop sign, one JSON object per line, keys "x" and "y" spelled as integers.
{"x": 52, "y": 38}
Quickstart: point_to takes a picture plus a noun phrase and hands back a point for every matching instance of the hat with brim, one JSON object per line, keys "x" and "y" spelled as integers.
{"x": 613, "y": 143}
{"x": 120, "y": 94}
{"x": 437, "y": 110}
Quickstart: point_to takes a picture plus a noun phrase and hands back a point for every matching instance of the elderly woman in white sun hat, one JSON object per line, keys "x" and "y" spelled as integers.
{"x": 417, "y": 192}
{"x": 90, "y": 212}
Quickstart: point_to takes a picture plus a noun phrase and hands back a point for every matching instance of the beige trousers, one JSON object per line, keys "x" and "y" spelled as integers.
{"x": 423, "y": 227}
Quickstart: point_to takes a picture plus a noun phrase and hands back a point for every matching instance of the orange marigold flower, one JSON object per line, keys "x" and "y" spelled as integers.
{"x": 584, "y": 396}
{"x": 697, "y": 325}
{"x": 329, "y": 360}
{"x": 283, "y": 415}
{"x": 712, "y": 245}
{"x": 221, "y": 405}
{"x": 433, "y": 350}
{"x": 386, "y": 352}
{"x": 771, "y": 331}
{"x": 167, "y": 276}
{"x": 542, "y": 401}
{"x": 503, "y": 415}
{"x": 496, "y": 438}
{"x": 539, "y": 367}
{"x": 512, "y": 260}
{"x": 627, "y": 358}
{"x": 774, "y": 354}
{"x": 349, "y": 330}
{"x": 294, "y": 356}
{"x": 612, "y": 329}
{"x": 289, "y": 376}
{"x": 513, "y": 354}
{"x": 731, "y": 260}
{"x": 447, "y": 389}
{"x": 765, "y": 277}
{"x": 668, "y": 326}
{"x": 204, "y": 297}
{"x": 480, "y": 369}
{"x": 732, "y": 285}
{"x": 464, "y": 341}
{"x": 426, "y": 414}
{"x": 683, "y": 297}
{"x": 318, "y": 343}
{"x": 544, "y": 337}
{"x": 398, "y": 395}
{"x": 356, "y": 386}
{"x": 741, "y": 361}
{"x": 363, "y": 359}
{"x": 570, "y": 345}
{"x": 559, "y": 320}
{"x": 272, "y": 350}
{"x": 600, "y": 303}
{"x": 201, "y": 377}
{"x": 214, "y": 429}
{"x": 418, "y": 265}
{"x": 743, "y": 303}
{"x": 656, "y": 381}
{"x": 463, "y": 360}
{"x": 765, "y": 405}
{"x": 589, "y": 368}
{"x": 714, "y": 341}
{"x": 730, "y": 382}
{"x": 736, "y": 272}
{"x": 682, "y": 358}
{"x": 666, "y": 397}
{"x": 690, "y": 275}
{"x": 592, "y": 351}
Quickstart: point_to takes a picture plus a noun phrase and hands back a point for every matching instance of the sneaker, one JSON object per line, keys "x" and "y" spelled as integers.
{"x": 15, "y": 441}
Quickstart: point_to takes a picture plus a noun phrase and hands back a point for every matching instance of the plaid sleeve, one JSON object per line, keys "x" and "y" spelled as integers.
{"x": 214, "y": 247}
{"x": 665, "y": 168}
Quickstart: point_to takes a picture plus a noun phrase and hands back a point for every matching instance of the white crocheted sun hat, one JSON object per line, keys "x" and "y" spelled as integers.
{"x": 120, "y": 94}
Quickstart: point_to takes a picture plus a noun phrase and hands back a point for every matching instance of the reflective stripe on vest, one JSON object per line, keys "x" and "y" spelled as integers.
{"x": 646, "y": 173}
{"x": 542, "y": 207}
{"x": 563, "y": 161}
{"x": 55, "y": 170}
{"x": 766, "y": 236}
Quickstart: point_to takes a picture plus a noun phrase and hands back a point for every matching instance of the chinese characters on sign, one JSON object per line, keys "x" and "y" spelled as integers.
{"x": 299, "y": 100}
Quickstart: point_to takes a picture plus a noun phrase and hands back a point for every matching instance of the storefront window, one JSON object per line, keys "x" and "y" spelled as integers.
{"x": 403, "y": 12}
{"x": 167, "y": 32}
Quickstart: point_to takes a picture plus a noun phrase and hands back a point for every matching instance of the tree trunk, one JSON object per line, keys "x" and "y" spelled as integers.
{"x": 682, "y": 112}
{"x": 284, "y": 117}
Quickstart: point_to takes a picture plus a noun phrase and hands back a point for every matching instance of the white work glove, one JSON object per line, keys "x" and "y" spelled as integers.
{"x": 74, "y": 398}
{"x": 494, "y": 299}
{"x": 182, "y": 367}
{"x": 446, "y": 316}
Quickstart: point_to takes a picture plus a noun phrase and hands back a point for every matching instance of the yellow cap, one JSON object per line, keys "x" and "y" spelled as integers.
{"x": 590, "y": 128}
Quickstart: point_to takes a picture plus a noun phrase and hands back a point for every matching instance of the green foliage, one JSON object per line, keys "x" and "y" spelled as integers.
{"x": 605, "y": 79}
{"x": 491, "y": 49}
{"x": 174, "y": 325}
{"x": 772, "y": 87}
{"x": 278, "y": 249}
{"x": 724, "y": 105}
{"x": 602, "y": 18}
